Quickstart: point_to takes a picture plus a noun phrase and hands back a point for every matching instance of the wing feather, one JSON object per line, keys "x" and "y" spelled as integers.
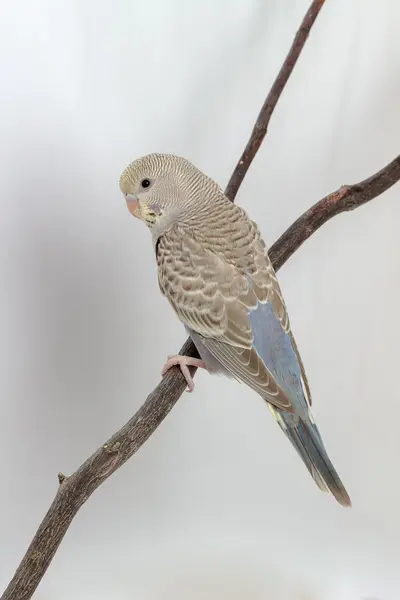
{"x": 214, "y": 298}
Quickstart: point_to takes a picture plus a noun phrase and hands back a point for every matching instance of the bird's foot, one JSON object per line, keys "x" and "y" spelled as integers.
{"x": 184, "y": 362}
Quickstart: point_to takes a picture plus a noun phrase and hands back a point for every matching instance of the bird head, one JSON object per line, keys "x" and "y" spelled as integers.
{"x": 161, "y": 189}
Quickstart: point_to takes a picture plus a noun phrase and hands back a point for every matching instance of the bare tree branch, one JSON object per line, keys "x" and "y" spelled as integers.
{"x": 261, "y": 126}
{"x": 346, "y": 198}
{"x": 73, "y": 491}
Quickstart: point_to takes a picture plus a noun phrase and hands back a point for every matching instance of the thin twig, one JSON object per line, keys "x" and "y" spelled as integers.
{"x": 73, "y": 491}
{"x": 261, "y": 126}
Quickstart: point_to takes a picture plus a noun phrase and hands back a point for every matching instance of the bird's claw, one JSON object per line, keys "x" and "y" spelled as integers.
{"x": 183, "y": 362}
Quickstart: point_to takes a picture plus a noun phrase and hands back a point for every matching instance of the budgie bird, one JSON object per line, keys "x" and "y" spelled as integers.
{"x": 214, "y": 269}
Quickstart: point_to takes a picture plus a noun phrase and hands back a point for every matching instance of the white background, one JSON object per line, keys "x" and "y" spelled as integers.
{"x": 216, "y": 504}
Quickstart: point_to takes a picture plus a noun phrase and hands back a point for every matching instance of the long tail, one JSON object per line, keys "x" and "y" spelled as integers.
{"x": 307, "y": 440}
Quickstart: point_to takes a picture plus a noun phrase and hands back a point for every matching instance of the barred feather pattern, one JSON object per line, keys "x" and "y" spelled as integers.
{"x": 214, "y": 269}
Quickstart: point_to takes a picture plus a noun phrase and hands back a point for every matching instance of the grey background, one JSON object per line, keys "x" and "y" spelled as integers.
{"x": 216, "y": 504}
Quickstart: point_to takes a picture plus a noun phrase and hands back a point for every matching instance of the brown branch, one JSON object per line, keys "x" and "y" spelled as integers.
{"x": 74, "y": 490}
{"x": 261, "y": 126}
{"x": 346, "y": 198}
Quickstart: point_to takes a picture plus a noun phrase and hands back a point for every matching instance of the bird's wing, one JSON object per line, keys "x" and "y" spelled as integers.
{"x": 240, "y": 316}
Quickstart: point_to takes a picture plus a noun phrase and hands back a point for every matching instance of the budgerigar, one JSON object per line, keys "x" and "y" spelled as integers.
{"x": 214, "y": 269}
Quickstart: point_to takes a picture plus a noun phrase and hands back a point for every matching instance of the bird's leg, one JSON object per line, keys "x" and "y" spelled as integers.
{"x": 184, "y": 362}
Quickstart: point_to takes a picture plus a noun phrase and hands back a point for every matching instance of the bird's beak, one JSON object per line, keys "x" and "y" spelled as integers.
{"x": 132, "y": 203}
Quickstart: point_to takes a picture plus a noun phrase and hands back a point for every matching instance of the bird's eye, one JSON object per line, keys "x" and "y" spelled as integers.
{"x": 145, "y": 183}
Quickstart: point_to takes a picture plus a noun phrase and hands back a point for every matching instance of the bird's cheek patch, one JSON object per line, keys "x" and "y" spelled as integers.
{"x": 156, "y": 208}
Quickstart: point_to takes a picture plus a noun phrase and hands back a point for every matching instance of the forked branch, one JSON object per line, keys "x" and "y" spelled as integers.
{"x": 75, "y": 490}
